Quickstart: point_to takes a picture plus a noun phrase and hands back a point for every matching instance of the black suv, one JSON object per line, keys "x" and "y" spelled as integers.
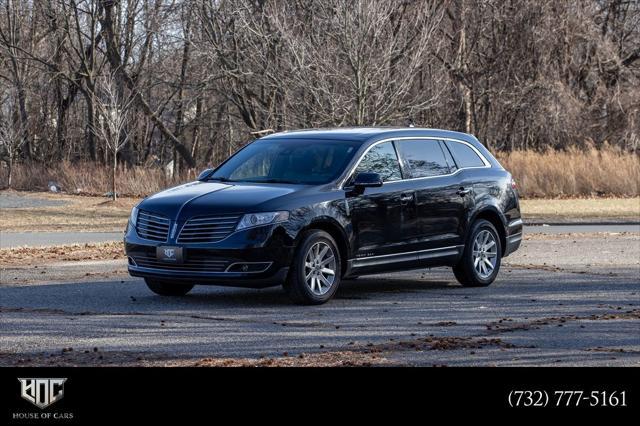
{"x": 306, "y": 209}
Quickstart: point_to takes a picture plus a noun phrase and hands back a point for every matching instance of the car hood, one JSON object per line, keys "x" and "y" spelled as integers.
{"x": 205, "y": 198}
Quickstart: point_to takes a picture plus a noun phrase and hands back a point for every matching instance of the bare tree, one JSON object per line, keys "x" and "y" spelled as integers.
{"x": 209, "y": 75}
{"x": 11, "y": 136}
{"x": 113, "y": 122}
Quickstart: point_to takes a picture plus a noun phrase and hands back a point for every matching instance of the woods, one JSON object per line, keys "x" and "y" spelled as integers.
{"x": 200, "y": 78}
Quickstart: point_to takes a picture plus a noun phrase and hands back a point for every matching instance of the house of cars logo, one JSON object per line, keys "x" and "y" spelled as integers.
{"x": 42, "y": 392}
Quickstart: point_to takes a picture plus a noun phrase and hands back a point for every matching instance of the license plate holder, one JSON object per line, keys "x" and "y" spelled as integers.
{"x": 169, "y": 254}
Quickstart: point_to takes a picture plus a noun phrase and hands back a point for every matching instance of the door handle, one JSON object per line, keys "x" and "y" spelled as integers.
{"x": 406, "y": 198}
{"x": 462, "y": 191}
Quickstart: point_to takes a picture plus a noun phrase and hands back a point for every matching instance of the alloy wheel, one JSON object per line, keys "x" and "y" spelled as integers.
{"x": 320, "y": 268}
{"x": 485, "y": 254}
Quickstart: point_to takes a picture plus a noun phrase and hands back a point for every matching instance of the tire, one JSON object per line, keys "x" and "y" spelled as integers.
{"x": 165, "y": 288}
{"x": 309, "y": 282}
{"x": 466, "y": 271}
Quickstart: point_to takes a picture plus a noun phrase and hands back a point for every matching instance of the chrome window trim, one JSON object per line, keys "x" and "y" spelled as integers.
{"x": 487, "y": 164}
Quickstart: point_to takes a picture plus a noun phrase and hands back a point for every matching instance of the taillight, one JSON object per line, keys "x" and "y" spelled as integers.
{"x": 514, "y": 185}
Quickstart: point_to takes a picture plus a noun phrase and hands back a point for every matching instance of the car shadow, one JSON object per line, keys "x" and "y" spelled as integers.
{"x": 366, "y": 286}
{"x": 361, "y": 289}
{"x": 133, "y": 295}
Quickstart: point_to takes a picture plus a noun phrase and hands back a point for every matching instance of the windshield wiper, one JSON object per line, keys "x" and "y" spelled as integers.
{"x": 273, "y": 180}
{"x": 220, "y": 179}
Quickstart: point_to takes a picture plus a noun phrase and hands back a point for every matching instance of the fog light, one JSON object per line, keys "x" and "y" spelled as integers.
{"x": 248, "y": 267}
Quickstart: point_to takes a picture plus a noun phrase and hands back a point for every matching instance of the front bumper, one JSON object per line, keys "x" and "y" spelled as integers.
{"x": 229, "y": 279}
{"x": 267, "y": 251}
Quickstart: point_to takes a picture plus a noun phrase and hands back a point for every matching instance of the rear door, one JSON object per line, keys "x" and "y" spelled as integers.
{"x": 438, "y": 204}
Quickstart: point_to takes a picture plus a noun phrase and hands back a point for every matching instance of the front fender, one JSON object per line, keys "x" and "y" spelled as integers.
{"x": 328, "y": 215}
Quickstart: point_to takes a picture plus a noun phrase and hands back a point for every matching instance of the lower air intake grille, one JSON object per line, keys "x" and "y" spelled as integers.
{"x": 191, "y": 264}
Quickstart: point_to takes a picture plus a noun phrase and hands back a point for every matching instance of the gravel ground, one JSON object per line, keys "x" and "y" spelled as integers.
{"x": 561, "y": 300}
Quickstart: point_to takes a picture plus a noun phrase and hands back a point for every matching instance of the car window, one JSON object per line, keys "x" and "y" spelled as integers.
{"x": 310, "y": 162}
{"x": 448, "y": 157}
{"x": 256, "y": 165}
{"x": 423, "y": 158}
{"x": 381, "y": 159}
{"x": 464, "y": 155}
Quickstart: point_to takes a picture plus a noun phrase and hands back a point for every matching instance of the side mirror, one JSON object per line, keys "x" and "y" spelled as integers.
{"x": 204, "y": 174}
{"x": 367, "y": 180}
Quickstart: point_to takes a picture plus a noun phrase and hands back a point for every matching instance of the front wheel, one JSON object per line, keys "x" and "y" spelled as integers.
{"x": 165, "y": 288}
{"x": 314, "y": 276}
{"x": 480, "y": 261}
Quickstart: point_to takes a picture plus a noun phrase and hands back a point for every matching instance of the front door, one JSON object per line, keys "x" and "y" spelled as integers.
{"x": 376, "y": 214}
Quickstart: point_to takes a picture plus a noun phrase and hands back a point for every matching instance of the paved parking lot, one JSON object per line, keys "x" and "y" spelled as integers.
{"x": 564, "y": 299}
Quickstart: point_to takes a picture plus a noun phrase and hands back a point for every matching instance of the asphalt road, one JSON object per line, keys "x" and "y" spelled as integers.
{"x": 36, "y": 239}
{"x": 561, "y": 300}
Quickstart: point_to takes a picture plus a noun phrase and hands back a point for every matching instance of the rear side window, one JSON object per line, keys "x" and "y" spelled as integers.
{"x": 424, "y": 158}
{"x": 464, "y": 155}
{"x": 381, "y": 159}
{"x": 448, "y": 157}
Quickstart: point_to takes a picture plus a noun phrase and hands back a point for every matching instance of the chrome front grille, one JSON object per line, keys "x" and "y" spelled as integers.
{"x": 209, "y": 229}
{"x": 152, "y": 226}
{"x": 192, "y": 263}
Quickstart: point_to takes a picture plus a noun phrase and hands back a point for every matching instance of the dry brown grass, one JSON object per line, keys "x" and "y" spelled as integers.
{"x": 23, "y": 256}
{"x": 587, "y": 172}
{"x": 80, "y": 213}
{"x": 582, "y": 208}
{"x": 93, "y": 179}
{"x": 575, "y": 172}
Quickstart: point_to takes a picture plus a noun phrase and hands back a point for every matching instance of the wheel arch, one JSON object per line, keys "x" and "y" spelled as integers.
{"x": 333, "y": 228}
{"x": 492, "y": 215}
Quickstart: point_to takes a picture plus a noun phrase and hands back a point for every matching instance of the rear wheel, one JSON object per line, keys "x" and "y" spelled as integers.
{"x": 480, "y": 261}
{"x": 166, "y": 288}
{"x": 314, "y": 276}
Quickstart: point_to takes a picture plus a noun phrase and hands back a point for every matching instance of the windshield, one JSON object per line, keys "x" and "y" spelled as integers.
{"x": 308, "y": 162}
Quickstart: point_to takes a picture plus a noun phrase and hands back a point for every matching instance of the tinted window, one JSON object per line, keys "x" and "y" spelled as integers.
{"x": 448, "y": 157}
{"x": 381, "y": 159}
{"x": 423, "y": 157}
{"x": 464, "y": 155}
{"x": 288, "y": 160}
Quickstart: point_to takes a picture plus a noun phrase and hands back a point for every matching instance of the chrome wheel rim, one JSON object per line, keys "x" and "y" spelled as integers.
{"x": 320, "y": 268}
{"x": 485, "y": 254}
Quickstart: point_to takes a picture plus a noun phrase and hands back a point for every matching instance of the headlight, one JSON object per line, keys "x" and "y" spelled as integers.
{"x": 134, "y": 217}
{"x": 257, "y": 219}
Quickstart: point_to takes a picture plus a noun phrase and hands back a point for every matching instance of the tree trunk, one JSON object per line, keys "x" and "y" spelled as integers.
{"x": 461, "y": 66}
{"x": 10, "y": 177}
{"x": 24, "y": 118}
{"x": 196, "y": 126}
{"x": 113, "y": 175}
{"x": 60, "y": 124}
{"x": 91, "y": 113}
